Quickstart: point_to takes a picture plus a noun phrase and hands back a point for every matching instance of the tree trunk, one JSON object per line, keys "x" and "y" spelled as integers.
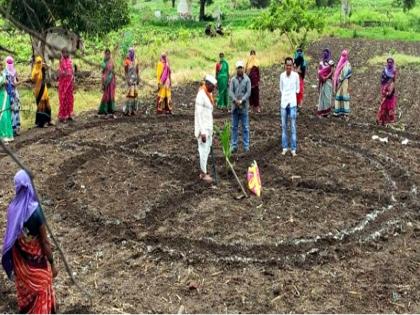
{"x": 173, "y": 3}
{"x": 202, "y": 9}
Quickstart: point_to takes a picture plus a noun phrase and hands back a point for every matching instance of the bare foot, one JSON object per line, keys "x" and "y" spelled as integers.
{"x": 207, "y": 178}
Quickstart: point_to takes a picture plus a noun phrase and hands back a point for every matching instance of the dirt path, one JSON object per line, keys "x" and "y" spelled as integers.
{"x": 336, "y": 230}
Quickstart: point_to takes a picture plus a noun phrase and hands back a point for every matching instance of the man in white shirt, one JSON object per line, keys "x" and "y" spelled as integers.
{"x": 203, "y": 122}
{"x": 289, "y": 88}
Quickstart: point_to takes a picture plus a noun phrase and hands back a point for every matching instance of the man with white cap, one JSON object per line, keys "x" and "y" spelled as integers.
{"x": 204, "y": 104}
{"x": 239, "y": 92}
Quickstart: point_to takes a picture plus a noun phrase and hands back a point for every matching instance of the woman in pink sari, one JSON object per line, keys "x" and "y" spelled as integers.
{"x": 387, "y": 109}
{"x": 325, "y": 86}
{"x": 164, "y": 80}
{"x": 65, "y": 87}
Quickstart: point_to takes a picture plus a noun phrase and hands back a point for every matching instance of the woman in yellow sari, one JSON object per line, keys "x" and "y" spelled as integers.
{"x": 43, "y": 111}
{"x": 163, "y": 73}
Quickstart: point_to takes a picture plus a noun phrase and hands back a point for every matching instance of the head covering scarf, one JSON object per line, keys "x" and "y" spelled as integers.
{"x": 10, "y": 66}
{"x": 389, "y": 72}
{"x": 66, "y": 64}
{"x": 20, "y": 210}
{"x": 37, "y": 69}
{"x": 131, "y": 54}
{"x": 166, "y": 74}
{"x": 250, "y": 63}
{"x": 299, "y": 60}
{"x": 326, "y": 55}
{"x": 343, "y": 60}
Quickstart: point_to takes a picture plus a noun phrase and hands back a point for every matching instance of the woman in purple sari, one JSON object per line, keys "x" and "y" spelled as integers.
{"x": 387, "y": 109}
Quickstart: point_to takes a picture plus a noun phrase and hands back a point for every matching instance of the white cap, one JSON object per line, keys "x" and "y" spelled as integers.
{"x": 239, "y": 64}
{"x": 209, "y": 78}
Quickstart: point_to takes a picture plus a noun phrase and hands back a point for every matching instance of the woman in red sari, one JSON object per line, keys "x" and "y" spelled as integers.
{"x": 252, "y": 69}
{"x": 109, "y": 85}
{"x": 27, "y": 257}
{"x": 65, "y": 87}
{"x": 387, "y": 109}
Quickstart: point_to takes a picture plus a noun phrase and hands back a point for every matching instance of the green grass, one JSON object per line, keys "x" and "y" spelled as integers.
{"x": 400, "y": 59}
{"x": 375, "y": 33}
{"x": 84, "y": 101}
{"x": 375, "y": 19}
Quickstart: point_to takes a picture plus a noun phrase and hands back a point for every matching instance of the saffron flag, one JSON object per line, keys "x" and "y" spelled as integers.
{"x": 254, "y": 179}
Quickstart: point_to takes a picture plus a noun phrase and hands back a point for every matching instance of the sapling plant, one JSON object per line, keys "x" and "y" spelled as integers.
{"x": 224, "y": 135}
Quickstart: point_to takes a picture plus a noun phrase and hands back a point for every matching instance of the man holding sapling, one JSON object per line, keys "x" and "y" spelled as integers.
{"x": 203, "y": 123}
{"x": 289, "y": 88}
{"x": 239, "y": 92}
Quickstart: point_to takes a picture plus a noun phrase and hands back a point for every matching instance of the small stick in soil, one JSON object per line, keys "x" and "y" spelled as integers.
{"x": 237, "y": 179}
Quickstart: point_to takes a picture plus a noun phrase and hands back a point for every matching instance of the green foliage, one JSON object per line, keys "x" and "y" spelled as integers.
{"x": 326, "y": 3}
{"x": 82, "y": 16}
{"x": 224, "y": 137}
{"x": 292, "y": 18}
{"x": 260, "y": 3}
{"x": 241, "y": 4}
{"x": 400, "y": 59}
{"x": 405, "y": 4}
{"x": 126, "y": 43}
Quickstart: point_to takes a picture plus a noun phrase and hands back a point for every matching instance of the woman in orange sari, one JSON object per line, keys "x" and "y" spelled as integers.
{"x": 27, "y": 257}
{"x": 43, "y": 112}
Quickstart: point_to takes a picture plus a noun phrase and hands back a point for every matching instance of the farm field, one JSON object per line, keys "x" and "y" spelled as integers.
{"x": 336, "y": 230}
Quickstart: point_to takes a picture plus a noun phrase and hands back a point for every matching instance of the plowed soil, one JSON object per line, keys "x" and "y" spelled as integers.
{"x": 336, "y": 229}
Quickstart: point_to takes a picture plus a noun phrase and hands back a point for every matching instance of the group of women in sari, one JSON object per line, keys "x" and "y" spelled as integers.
{"x": 131, "y": 70}
{"x": 336, "y": 81}
{"x": 66, "y": 79}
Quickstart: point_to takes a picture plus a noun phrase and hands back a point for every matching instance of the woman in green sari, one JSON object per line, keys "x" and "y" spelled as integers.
{"x": 222, "y": 76}
{"x": 107, "y": 106}
{"x": 6, "y": 130}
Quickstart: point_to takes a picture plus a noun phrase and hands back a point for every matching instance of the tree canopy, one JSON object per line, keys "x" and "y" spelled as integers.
{"x": 292, "y": 18}
{"x": 95, "y": 17}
